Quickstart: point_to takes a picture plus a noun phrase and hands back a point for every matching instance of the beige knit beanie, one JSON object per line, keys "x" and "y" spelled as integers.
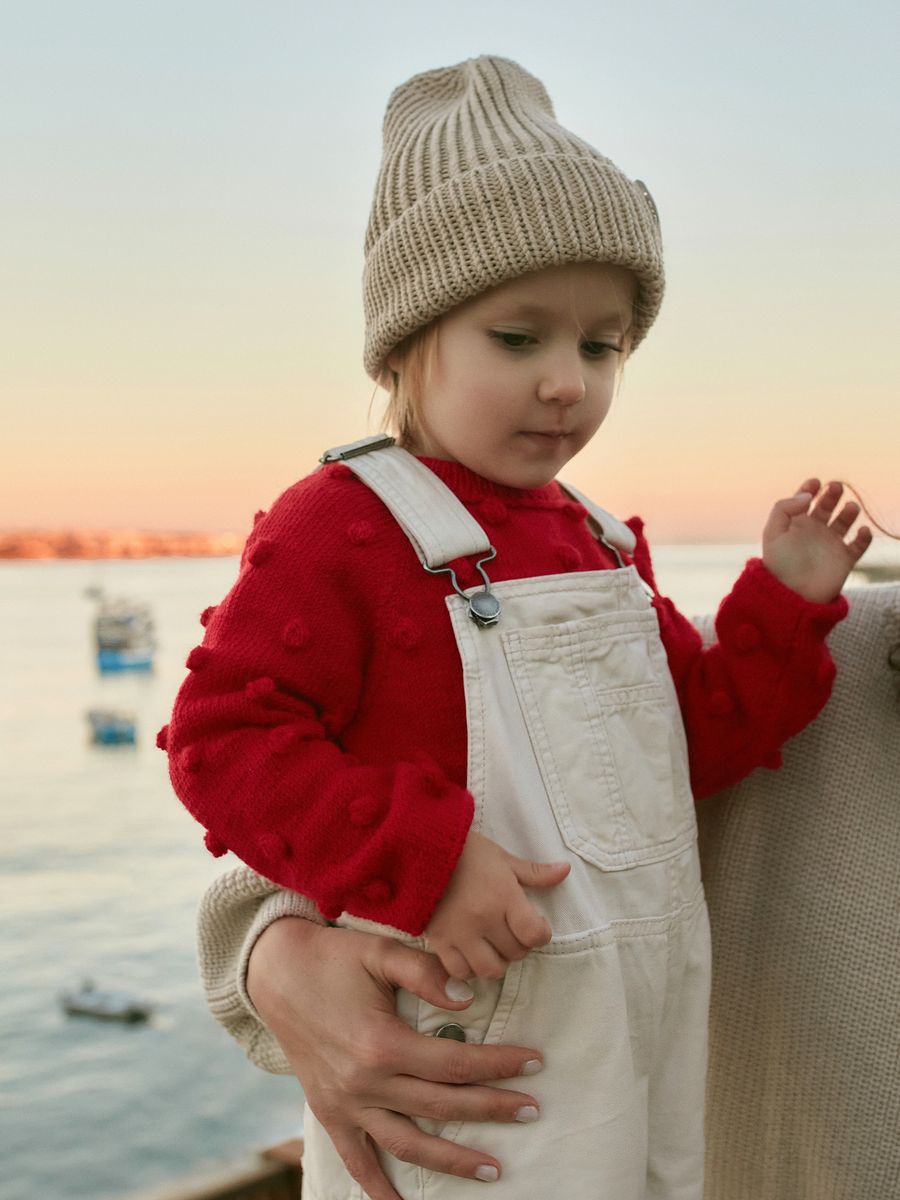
{"x": 479, "y": 184}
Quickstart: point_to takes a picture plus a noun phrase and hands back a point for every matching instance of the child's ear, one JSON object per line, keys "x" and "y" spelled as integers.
{"x": 395, "y": 361}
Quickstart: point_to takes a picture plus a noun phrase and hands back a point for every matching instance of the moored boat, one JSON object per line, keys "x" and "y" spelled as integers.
{"x": 91, "y": 1001}
{"x": 124, "y": 635}
{"x": 112, "y": 727}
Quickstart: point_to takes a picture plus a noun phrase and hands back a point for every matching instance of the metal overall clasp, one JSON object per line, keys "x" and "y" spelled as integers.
{"x": 484, "y": 607}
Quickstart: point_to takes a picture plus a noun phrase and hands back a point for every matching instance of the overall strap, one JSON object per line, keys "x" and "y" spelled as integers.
{"x": 439, "y": 525}
{"x": 609, "y": 528}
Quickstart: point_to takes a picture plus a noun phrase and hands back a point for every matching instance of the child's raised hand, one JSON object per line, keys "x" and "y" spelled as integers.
{"x": 484, "y": 921}
{"x": 804, "y": 546}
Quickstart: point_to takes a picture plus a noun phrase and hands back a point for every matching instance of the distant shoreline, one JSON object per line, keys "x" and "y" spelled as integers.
{"x": 116, "y": 543}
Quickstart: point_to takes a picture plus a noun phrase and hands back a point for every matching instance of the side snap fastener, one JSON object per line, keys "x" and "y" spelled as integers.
{"x": 484, "y": 609}
{"x": 453, "y": 1031}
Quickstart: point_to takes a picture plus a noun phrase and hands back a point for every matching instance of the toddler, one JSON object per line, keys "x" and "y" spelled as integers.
{"x": 444, "y": 699}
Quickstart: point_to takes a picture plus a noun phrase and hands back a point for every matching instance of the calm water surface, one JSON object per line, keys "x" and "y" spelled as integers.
{"x": 100, "y": 874}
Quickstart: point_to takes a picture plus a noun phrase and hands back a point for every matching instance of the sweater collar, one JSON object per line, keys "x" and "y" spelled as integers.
{"x": 467, "y": 486}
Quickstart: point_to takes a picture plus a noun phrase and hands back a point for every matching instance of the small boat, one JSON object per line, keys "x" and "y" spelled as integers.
{"x": 123, "y": 631}
{"x": 112, "y": 727}
{"x": 90, "y": 1001}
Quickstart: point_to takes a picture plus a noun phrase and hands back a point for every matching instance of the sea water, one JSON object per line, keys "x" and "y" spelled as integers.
{"x": 100, "y": 874}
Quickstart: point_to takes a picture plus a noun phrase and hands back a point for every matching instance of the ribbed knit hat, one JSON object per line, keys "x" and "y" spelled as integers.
{"x": 479, "y": 184}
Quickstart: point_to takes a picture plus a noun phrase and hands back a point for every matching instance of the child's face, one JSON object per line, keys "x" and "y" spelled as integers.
{"x": 523, "y": 375}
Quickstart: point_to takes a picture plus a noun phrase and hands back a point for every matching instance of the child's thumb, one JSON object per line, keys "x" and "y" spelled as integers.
{"x": 540, "y": 875}
{"x": 783, "y": 512}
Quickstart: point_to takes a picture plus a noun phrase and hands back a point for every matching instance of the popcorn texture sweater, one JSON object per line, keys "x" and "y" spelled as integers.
{"x": 321, "y": 732}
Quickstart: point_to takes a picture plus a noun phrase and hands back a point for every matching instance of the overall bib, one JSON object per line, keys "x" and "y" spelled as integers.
{"x": 576, "y": 751}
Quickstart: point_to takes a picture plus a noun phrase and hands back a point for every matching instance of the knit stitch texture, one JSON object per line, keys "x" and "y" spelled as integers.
{"x": 801, "y": 875}
{"x": 800, "y": 868}
{"x": 479, "y": 184}
{"x": 321, "y": 734}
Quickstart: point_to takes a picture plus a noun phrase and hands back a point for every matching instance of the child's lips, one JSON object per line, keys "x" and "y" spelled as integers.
{"x": 546, "y": 437}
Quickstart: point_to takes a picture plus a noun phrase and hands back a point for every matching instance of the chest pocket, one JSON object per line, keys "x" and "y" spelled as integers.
{"x": 603, "y": 719}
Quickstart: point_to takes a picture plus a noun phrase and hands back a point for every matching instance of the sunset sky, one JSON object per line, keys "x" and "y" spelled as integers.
{"x": 184, "y": 193}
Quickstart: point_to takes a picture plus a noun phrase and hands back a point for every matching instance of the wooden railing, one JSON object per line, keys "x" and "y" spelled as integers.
{"x": 272, "y": 1174}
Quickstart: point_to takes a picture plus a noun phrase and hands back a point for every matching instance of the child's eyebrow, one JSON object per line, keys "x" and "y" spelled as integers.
{"x": 522, "y": 312}
{"x": 538, "y": 312}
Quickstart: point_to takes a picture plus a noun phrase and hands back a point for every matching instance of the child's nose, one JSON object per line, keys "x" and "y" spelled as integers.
{"x": 562, "y": 384}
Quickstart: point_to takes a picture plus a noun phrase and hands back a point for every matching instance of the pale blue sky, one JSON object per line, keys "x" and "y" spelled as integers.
{"x": 184, "y": 194}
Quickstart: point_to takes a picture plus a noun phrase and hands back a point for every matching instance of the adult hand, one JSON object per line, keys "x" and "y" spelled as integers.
{"x": 328, "y": 997}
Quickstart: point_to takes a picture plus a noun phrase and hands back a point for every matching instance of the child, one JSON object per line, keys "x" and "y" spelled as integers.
{"x": 443, "y": 678}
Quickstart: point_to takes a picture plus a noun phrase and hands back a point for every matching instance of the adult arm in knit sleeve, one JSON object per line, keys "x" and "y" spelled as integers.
{"x": 766, "y": 677}
{"x": 236, "y": 908}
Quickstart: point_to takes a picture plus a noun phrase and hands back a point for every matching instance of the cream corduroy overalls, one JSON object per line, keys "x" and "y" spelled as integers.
{"x": 576, "y": 751}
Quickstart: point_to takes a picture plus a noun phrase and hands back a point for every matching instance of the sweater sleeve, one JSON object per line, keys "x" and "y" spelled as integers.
{"x": 235, "y": 910}
{"x": 767, "y": 676}
{"x": 255, "y": 738}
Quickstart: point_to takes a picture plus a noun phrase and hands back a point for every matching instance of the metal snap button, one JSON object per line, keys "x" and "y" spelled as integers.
{"x": 484, "y": 609}
{"x": 453, "y": 1031}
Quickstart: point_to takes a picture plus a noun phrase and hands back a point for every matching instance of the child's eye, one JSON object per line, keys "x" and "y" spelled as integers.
{"x": 598, "y": 348}
{"x": 513, "y": 340}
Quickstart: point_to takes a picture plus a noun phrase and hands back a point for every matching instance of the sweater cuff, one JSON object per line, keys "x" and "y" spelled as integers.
{"x": 761, "y": 605}
{"x": 407, "y": 865}
{"x": 235, "y": 910}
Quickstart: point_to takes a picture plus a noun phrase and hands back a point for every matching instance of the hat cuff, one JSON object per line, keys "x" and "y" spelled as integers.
{"x": 500, "y": 221}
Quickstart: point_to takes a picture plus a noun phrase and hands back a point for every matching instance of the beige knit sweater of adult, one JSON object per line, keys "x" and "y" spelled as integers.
{"x": 802, "y": 870}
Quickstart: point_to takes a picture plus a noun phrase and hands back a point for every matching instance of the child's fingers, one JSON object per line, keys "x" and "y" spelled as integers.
{"x": 845, "y": 518}
{"x": 793, "y": 506}
{"x": 486, "y": 963}
{"x": 784, "y": 511}
{"x": 507, "y": 944}
{"x": 455, "y": 963}
{"x": 539, "y": 875}
{"x": 860, "y": 543}
{"x": 827, "y": 502}
{"x": 527, "y": 925}
{"x": 475, "y": 957}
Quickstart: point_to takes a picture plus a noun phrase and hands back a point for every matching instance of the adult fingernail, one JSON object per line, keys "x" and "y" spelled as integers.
{"x": 458, "y": 989}
{"x": 527, "y": 1115}
{"x": 532, "y": 1066}
{"x": 487, "y": 1174}
{"x": 802, "y": 496}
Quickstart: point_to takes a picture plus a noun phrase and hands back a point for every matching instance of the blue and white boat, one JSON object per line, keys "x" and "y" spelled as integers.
{"x": 124, "y": 636}
{"x": 111, "y": 727}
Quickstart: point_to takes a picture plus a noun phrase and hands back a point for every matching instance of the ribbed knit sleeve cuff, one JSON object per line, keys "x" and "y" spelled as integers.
{"x": 760, "y": 605}
{"x": 235, "y": 910}
{"x": 411, "y": 867}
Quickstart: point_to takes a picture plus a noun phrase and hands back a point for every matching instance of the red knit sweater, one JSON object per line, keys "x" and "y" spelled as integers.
{"x": 321, "y": 732}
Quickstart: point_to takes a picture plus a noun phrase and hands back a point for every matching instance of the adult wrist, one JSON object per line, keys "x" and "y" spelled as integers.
{"x": 284, "y": 935}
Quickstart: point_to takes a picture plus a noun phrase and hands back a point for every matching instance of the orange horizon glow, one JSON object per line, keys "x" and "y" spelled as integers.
{"x": 183, "y": 211}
